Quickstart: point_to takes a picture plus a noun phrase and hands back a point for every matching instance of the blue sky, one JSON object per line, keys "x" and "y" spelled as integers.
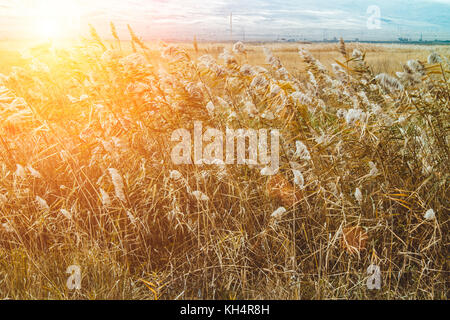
{"x": 258, "y": 19}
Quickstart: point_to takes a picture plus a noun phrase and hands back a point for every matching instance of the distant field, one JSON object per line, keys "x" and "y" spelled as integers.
{"x": 383, "y": 58}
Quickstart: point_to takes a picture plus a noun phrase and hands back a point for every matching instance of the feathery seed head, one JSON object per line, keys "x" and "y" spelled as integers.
{"x": 239, "y": 48}
{"x": 434, "y": 58}
{"x": 279, "y": 213}
{"x": 388, "y": 82}
{"x": 118, "y": 184}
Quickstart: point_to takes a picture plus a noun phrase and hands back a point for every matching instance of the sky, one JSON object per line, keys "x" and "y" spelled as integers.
{"x": 210, "y": 19}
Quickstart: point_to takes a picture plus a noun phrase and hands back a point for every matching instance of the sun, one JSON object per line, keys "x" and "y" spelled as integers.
{"x": 48, "y": 29}
{"x": 54, "y": 19}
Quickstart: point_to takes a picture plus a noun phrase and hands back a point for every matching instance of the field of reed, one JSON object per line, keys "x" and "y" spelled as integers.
{"x": 87, "y": 179}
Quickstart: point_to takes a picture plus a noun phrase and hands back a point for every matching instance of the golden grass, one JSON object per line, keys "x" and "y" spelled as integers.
{"x": 71, "y": 113}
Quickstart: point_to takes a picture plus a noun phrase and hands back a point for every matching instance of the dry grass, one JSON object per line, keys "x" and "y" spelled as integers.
{"x": 72, "y": 113}
{"x": 382, "y": 58}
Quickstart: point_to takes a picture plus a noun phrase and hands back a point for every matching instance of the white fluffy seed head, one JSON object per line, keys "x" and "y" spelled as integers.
{"x": 358, "y": 195}
{"x": 106, "y": 200}
{"x": 132, "y": 218}
{"x": 388, "y": 82}
{"x": 7, "y": 227}
{"x": 175, "y": 175}
{"x": 302, "y": 151}
{"x": 429, "y": 214}
{"x": 42, "y": 204}
{"x": 415, "y": 66}
{"x": 354, "y": 115}
{"x": 279, "y": 213}
{"x": 250, "y": 108}
{"x": 357, "y": 54}
{"x": 118, "y": 184}
{"x": 299, "y": 180}
{"x": 210, "y": 108}
{"x": 200, "y": 196}
{"x": 20, "y": 172}
{"x": 267, "y": 171}
{"x": 259, "y": 82}
{"x": 373, "y": 169}
{"x": 268, "y": 115}
{"x": 434, "y": 58}
{"x": 239, "y": 47}
{"x": 301, "y": 98}
{"x": 66, "y": 213}
{"x": 3, "y": 198}
{"x": 34, "y": 172}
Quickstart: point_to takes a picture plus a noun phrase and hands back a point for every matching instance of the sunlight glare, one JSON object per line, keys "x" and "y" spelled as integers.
{"x": 47, "y": 29}
{"x": 53, "y": 19}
